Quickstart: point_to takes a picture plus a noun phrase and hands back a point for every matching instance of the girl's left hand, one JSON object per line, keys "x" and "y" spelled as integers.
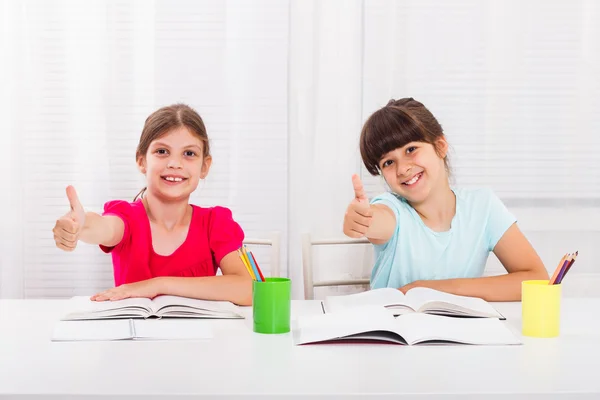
{"x": 411, "y": 285}
{"x": 147, "y": 288}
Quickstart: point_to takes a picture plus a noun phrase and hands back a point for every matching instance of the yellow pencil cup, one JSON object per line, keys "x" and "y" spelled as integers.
{"x": 540, "y": 309}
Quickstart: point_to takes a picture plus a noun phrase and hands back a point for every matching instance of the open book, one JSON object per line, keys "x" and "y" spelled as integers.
{"x": 81, "y": 307}
{"x": 418, "y": 299}
{"x": 130, "y": 329}
{"x": 375, "y": 323}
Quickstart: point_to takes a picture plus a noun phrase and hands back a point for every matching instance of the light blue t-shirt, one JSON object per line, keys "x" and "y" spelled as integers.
{"x": 416, "y": 252}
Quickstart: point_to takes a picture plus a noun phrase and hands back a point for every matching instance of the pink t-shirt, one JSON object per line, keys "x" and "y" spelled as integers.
{"x": 212, "y": 234}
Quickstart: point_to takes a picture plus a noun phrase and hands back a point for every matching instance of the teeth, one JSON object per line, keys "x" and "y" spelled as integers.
{"x": 173, "y": 179}
{"x": 413, "y": 180}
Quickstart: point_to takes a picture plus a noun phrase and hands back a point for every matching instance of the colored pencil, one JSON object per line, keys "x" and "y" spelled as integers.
{"x": 561, "y": 277}
{"x": 562, "y": 270}
{"x": 254, "y": 271}
{"x": 262, "y": 278}
{"x": 254, "y": 268}
{"x": 246, "y": 264}
{"x": 557, "y": 270}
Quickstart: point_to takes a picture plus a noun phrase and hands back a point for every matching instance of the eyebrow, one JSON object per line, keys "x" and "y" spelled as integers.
{"x": 161, "y": 144}
{"x": 407, "y": 145}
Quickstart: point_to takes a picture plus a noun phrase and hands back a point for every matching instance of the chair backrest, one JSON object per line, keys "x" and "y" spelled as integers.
{"x": 274, "y": 241}
{"x": 307, "y": 267}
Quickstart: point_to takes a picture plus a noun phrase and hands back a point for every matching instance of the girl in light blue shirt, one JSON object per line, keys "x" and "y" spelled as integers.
{"x": 425, "y": 232}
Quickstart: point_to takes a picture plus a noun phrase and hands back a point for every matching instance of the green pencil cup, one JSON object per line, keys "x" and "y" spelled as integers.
{"x": 271, "y": 304}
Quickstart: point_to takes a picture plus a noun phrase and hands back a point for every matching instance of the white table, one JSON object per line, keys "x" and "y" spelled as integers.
{"x": 239, "y": 363}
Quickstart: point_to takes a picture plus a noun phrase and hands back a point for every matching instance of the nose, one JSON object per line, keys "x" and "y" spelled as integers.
{"x": 403, "y": 169}
{"x": 174, "y": 163}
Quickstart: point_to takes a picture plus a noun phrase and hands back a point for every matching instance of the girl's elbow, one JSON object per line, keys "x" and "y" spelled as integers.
{"x": 245, "y": 299}
{"x": 538, "y": 274}
{"x": 542, "y": 274}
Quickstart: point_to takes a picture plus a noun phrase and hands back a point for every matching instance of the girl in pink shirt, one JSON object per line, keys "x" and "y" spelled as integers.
{"x": 161, "y": 244}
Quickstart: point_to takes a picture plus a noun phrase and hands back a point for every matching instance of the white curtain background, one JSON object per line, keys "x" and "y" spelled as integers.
{"x": 514, "y": 85}
{"x": 78, "y": 81}
{"x": 284, "y": 87}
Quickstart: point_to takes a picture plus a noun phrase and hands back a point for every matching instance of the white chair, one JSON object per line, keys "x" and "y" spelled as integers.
{"x": 274, "y": 241}
{"x": 307, "y": 269}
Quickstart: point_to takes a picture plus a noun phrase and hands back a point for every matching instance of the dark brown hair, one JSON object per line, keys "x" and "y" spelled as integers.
{"x": 163, "y": 120}
{"x": 395, "y": 125}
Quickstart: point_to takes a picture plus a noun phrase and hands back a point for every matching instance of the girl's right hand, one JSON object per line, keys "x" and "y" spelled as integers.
{"x": 68, "y": 228}
{"x": 359, "y": 215}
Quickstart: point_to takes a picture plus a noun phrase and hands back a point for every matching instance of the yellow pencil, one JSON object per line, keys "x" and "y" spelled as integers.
{"x": 246, "y": 263}
{"x": 245, "y": 253}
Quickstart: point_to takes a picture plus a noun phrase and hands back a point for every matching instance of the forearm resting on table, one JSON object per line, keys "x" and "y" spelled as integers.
{"x": 234, "y": 288}
{"x": 505, "y": 287}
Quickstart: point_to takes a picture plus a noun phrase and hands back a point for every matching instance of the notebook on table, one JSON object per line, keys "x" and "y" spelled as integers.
{"x": 132, "y": 329}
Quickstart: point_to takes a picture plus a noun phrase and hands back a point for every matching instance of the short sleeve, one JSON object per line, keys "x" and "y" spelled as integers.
{"x": 123, "y": 210}
{"x": 224, "y": 234}
{"x": 392, "y": 202}
{"x": 498, "y": 221}
{"x": 389, "y": 200}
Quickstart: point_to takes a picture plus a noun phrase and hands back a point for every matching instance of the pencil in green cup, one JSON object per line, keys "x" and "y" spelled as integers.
{"x": 271, "y": 304}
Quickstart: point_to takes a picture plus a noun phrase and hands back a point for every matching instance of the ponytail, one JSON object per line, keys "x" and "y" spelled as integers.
{"x": 140, "y": 194}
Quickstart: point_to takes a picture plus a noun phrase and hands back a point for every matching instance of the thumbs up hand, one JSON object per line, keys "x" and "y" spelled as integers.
{"x": 68, "y": 227}
{"x": 359, "y": 214}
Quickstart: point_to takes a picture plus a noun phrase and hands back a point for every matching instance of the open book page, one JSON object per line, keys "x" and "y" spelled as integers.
{"x": 385, "y": 297}
{"x": 424, "y": 299}
{"x": 92, "y": 330}
{"x": 420, "y": 328}
{"x": 175, "y": 306}
{"x": 332, "y": 326}
{"x": 376, "y": 323}
{"x": 81, "y": 307}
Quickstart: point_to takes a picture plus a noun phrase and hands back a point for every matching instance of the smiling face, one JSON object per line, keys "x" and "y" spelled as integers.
{"x": 415, "y": 170}
{"x": 174, "y": 164}
{"x": 405, "y": 143}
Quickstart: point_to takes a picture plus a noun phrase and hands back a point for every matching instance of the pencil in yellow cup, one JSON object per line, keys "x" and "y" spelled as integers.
{"x": 540, "y": 308}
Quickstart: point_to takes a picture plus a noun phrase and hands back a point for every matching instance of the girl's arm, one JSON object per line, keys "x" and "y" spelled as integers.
{"x": 383, "y": 224}
{"x": 89, "y": 227}
{"x": 105, "y": 230}
{"x": 234, "y": 285}
{"x": 516, "y": 255}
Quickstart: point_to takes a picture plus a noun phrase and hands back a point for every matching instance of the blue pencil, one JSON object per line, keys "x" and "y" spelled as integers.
{"x": 251, "y": 259}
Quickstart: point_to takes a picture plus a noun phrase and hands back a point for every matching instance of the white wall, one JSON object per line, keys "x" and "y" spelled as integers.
{"x": 79, "y": 79}
{"x": 284, "y": 87}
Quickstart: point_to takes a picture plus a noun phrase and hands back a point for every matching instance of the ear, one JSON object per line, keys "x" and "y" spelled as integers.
{"x": 441, "y": 146}
{"x": 205, "y": 166}
{"x": 141, "y": 163}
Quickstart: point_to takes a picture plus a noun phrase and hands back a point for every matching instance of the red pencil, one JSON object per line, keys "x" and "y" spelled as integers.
{"x": 262, "y": 278}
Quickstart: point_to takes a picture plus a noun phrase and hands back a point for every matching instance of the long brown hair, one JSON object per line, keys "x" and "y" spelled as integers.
{"x": 395, "y": 125}
{"x": 163, "y": 120}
